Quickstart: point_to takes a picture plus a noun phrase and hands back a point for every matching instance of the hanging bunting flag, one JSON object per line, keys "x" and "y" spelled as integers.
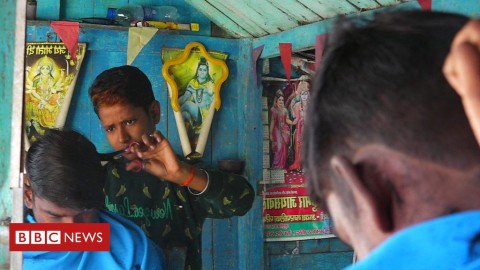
{"x": 68, "y": 33}
{"x": 255, "y": 55}
{"x": 319, "y": 46}
{"x": 286, "y": 56}
{"x": 138, "y": 37}
{"x": 425, "y": 4}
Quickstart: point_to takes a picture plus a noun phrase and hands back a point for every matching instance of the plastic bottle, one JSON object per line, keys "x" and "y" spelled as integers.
{"x": 164, "y": 13}
{"x": 126, "y": 15}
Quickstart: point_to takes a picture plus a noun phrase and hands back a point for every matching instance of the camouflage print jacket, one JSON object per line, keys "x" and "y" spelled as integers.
{"x": 172, "y": 215}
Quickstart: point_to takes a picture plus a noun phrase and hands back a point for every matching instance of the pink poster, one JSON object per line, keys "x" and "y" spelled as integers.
{"x": 288, "y": 212}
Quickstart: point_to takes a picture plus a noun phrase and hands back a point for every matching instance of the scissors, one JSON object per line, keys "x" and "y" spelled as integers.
{"x": 118, "y": 154}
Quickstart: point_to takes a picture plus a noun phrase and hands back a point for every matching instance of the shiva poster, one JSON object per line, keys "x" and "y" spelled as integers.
{"x": 194, "y": 77}
{"x": 288, "y": 213}
{"x": 50, "y": 76}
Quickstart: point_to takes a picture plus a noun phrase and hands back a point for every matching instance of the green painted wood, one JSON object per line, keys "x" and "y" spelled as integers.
{"x": 242, "y": 15}
{"x": 466, "y": 7}
{"x": 329, "y": 8}
{"x": 252, "y": 18}
{"x": 303, "y": 14}
{"x": 7, "y": 34}
{"x": 273, "y": 18}
{"x": 72, "y": 10}
{"x": 7, "y": 46}
{"x": 303, "y": 37}
{"x": 48, "y": 10}
{"x": 365, "y": 4}
{"x": 111, "y": 3}
{"x": 390, "y": 2}
{"x": 189, "y": 14}
{"x": 219, "y": 18}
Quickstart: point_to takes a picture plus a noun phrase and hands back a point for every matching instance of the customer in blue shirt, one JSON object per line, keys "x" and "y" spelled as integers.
{"x": 388, "y": 149}
{"x": 64, "y": 185}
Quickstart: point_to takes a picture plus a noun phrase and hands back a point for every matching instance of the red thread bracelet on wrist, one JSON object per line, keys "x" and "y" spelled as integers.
{"x": 190, "y": 177}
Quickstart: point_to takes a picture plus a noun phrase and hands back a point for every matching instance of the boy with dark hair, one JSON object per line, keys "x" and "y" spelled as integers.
{"x": 388, "y": 148}
{"x": 170, "y": 199}
{"x": 63, "y": 185}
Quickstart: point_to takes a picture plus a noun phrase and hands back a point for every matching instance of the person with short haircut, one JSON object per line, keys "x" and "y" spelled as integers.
{"x": 63, "y": 184}
{"x": 388, "y": 149}
{"x": 166, "y": 196}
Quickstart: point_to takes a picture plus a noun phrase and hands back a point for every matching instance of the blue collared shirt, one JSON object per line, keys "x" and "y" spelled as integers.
{"x": 448, "y": 242}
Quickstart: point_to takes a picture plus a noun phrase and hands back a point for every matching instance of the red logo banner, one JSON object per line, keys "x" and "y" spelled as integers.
{"x": 59, "y": 237}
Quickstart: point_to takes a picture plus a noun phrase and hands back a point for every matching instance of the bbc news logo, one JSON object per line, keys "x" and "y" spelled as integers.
{"x": 59, "y": 237}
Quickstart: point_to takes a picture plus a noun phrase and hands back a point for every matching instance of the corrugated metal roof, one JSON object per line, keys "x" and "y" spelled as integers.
{"x": 258, "y": 18}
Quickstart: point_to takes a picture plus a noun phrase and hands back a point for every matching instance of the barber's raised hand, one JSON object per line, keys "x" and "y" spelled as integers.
{"x": 462, "y": 70}
{"x": 158, "y": 159}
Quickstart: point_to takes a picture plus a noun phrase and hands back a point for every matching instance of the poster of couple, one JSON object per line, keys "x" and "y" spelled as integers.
{"x": 288, "y": 212}
{"x": 287, "y": 104}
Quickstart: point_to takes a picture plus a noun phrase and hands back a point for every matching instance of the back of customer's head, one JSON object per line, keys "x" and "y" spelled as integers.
{"x": 64, "y": 168}
{"x": 381, "y": 83}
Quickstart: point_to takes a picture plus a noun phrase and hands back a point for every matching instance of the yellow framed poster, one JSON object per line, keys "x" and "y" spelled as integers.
{"x": 194, "y": 77}
{"x": 50, "y": 76}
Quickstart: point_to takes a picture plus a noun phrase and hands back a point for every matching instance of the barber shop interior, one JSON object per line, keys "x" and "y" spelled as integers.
{"x": 240, "y": 134}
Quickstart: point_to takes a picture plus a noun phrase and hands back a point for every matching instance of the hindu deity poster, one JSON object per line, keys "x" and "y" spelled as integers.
{"x": 50, "y": 76}
{"x": 288, "y": 212}
{"x": 194, "y": 77}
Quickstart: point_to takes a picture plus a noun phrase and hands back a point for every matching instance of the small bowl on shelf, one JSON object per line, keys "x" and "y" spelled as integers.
{"x": 231, "y": 165}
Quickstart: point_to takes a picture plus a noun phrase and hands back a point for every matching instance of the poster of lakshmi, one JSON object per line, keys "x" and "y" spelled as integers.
{"x": 50, "y": 76}
{"x": 288, "y": 213}
{"x": 195, "y": 79}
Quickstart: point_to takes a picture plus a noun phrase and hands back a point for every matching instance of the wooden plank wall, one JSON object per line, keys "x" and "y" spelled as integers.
{"x": 303, "y": 38}
{"x": 258, "y": 18}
